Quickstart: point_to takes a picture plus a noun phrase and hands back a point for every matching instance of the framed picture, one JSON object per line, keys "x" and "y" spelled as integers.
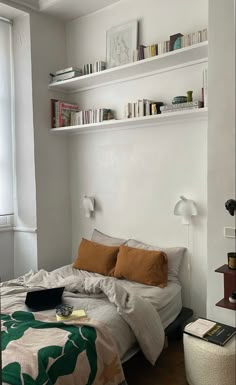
{"x": 121, "y": 43}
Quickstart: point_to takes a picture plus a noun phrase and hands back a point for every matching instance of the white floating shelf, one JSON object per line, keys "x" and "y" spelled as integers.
{"x": 194, "y": 54}
{"x": 160, "y": 119}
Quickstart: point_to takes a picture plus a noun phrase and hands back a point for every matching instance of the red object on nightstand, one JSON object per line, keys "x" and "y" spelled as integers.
{"x": 229, "y": 286}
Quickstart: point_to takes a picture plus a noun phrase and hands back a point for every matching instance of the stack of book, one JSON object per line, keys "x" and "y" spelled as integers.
{"x": 65, "y": 74}
{"x": 91, "y": 116}
{"x": 62, "y": 113}
{"x": 181, "y": 106}
{"x": 145, "y": 52}
{"x": 96, "y": 67}
{"x": 143, "y": 107}
{"x": 210, "y": 331}
{"x": 194, "y": 38}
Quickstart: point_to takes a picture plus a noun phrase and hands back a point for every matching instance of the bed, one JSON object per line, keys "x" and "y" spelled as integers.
{"x": 126, "y": 316}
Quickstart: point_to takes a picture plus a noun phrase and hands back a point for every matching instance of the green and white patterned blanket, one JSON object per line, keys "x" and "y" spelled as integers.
{"x": 37, "y": 350}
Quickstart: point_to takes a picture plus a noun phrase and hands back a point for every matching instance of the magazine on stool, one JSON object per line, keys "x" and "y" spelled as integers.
{"x": 214, "y": 332}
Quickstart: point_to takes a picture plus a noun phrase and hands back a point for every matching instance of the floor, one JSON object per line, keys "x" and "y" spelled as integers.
{"x": 169, "y": 369}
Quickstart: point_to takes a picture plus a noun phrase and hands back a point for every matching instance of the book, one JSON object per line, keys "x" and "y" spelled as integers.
{"x": 65, "y": 76}
{"x": 179, "y": 109}
{"x": 76, "y": 314}
{"x": 171, "y": 107}
{"x": 53, "y": 113}
{"x": 69, "y": 69}
{"x": 61, "y": 113}
{"x": 200, "y": 327}
{"x": 205, "y": 86}
{"x": 220, "y": 334}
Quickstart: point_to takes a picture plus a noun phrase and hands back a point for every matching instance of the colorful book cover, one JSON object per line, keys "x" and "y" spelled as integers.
{"x": 65, "y": 113}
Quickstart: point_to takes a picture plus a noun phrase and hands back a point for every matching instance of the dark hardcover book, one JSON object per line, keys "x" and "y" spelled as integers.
{"x": 141, "y": 51}
{"x": 53, "y": 113}
{"x": 219, "y": 335}
{"x": 157, "y": 107}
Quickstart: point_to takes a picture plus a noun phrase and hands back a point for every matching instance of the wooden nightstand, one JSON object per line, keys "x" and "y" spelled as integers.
{"x": 229, "y": 286}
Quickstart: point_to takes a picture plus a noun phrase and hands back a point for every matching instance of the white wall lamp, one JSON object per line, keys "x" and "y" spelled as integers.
{"x": 185, "y": 208}
{"x": 88, "y": 204}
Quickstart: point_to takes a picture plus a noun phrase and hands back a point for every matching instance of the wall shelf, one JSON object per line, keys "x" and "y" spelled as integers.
{"x": 191, "y": 55}
{"x": 160, "y": 119}
{"x": 229, "y": 286}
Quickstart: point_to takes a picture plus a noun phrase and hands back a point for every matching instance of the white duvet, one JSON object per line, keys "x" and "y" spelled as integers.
{"x": 120, "y": 304}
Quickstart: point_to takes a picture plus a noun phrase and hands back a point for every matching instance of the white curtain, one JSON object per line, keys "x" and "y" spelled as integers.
{"x": 6, "y": 163}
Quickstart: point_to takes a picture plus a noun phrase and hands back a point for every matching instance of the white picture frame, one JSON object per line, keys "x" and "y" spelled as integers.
{"x": 122, "y": 41}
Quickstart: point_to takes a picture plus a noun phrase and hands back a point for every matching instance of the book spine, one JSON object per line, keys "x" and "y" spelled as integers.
{"x": 57, "y": 113}
{"x": 53, "y": 113}
{"x": 153, "y": 50}
{"x": 179, "y": 109}
{"x": 205, "y": 87}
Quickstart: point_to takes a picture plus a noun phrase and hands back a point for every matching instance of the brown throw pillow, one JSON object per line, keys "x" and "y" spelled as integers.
{"x": 96, "y": 258}
{"x": 143, "y": 266}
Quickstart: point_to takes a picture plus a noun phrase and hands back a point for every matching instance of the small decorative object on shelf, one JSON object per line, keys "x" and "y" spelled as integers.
{"x": 232, "y": 260}
{"x": 175, "y": 41}
{"x": 179, "y": 99}
{"x": 189, "y": 96}
{"x": 232, "y": 297}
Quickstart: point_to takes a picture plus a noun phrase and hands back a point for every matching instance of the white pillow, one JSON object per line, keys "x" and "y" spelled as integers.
{"x": 174, "y": 255}
{"x": 104, "y": 239}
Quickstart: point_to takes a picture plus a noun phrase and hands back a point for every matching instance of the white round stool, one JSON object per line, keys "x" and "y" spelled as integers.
{"x": 209, "y": 364}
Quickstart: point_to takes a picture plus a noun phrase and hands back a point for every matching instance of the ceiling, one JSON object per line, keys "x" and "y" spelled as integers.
{"x": 62, "y": 9}
{"x": 9, "y": 12}
{"x": 71, "y": 9}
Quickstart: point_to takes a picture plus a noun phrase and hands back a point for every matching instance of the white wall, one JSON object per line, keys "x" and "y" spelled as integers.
{"x": 137, "y": 175}
{"x": 6, "y": 255}
{"x": 221, "y": 149}
{"x": 51, "y": 152}
{"x": 25, "y": 242}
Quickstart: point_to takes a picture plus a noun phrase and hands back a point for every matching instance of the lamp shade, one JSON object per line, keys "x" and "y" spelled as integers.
{"x": 185, "y": 208}
{"x": 88, "y": 205}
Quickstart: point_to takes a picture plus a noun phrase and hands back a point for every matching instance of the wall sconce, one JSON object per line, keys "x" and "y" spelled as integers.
{"x": 88, "y": 204}
{"x": 186, "y": 208}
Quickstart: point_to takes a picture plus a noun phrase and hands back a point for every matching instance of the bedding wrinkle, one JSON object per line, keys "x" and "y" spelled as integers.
{"x": 117, "y": 303}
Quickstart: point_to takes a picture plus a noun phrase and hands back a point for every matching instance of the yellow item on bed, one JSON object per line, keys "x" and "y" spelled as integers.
{"x": 74, "y": 315}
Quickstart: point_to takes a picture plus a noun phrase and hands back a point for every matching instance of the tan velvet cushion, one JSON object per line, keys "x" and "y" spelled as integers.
{"x": 148, "y": 267}
{"x": 96, "y": 258}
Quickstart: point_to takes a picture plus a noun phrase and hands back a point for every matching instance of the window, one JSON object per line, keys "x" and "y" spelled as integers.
{"x": 6, "y": 119}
